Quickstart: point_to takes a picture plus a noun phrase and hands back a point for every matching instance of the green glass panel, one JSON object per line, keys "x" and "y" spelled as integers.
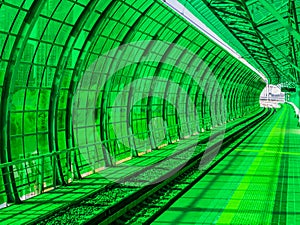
{"x": 44, "y": 64}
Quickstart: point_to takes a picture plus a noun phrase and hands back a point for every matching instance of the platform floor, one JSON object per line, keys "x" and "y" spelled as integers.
{"x": 258, "y": 183}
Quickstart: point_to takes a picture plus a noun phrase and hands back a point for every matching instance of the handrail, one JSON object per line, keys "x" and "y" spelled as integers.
{"x": 297, "y": 111}
{"x": 19, "y": 161}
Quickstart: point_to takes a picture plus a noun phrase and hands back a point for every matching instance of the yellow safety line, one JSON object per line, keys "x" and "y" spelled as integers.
{"x": 236, "y": 199}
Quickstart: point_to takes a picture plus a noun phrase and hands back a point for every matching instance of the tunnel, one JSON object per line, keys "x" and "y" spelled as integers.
{"x": 94, "y": 90}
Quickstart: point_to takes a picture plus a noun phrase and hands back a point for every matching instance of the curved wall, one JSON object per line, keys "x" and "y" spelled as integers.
{"x": 47, "y": 47}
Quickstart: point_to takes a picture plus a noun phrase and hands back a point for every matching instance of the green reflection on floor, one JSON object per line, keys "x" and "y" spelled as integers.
{"x": 255, "y": 184}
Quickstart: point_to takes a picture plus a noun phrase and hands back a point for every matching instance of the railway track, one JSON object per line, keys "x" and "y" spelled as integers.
{"x": 127, "y": 203}
{"x": 155, "y": 205}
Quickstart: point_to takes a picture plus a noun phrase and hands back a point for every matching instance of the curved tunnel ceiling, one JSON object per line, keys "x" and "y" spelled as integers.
{"x": 50, "y": 53}
{"x": 269, "y": 30}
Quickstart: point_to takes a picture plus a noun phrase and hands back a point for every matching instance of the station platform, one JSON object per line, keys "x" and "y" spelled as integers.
{"x": 258, "y": 183}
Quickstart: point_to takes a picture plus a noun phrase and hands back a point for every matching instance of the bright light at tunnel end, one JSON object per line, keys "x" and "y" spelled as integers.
{"x": 100, "y": 74}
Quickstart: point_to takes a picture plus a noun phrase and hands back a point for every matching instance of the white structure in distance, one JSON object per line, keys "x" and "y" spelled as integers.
{"x": 271, "y": 96}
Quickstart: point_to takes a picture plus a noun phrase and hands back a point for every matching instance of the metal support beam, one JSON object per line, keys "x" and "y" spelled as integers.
{"x": 283, "y": 22}
{"x": 281, "y": 53}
